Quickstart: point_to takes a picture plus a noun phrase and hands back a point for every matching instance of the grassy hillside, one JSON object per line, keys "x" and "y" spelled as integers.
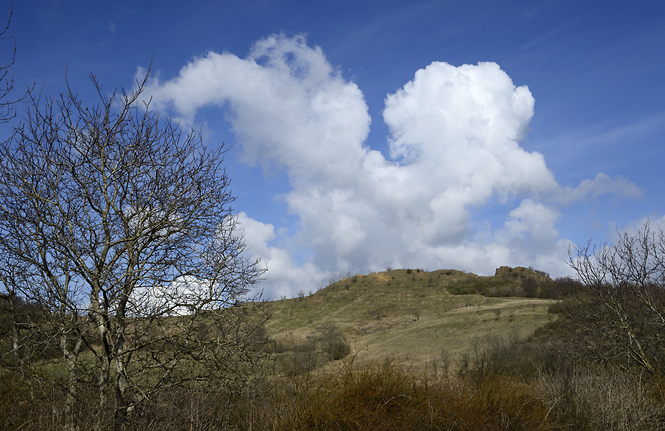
{"x": 411, "y": 315}
{"x": 389, "y": 320}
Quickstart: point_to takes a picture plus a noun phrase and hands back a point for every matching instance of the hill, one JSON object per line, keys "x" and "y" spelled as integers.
{"x": 411, "y": 315}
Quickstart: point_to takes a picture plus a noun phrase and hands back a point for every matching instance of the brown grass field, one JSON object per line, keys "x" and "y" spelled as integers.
{"x": 408, "y": 316}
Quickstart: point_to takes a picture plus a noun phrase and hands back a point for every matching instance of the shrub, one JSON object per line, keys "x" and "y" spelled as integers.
{"x": 386, "y": 396}
{"x": 333, "y": 342}
{"x": 601, "y": 399}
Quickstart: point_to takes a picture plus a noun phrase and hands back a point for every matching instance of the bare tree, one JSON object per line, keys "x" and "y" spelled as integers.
{"x": 7, "y": 100}
{"x": 125, "y": 227}
{"x": 6, "y": 80}
{"x": 623, "y": 312}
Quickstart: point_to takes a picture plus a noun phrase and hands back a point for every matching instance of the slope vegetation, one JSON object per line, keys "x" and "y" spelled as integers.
{"x": 411, "y": 315}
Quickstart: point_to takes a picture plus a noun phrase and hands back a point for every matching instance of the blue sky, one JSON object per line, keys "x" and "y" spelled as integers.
{"x": 375, "y": 134}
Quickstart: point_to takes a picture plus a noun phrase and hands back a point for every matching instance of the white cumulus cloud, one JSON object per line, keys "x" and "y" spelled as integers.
{"x": 455, "y": 134}
{"x": 285, "y": 274}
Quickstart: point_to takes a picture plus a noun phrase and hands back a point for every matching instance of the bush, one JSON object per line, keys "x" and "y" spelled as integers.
{"x": 386, "y": 396}
{"x": 333, "y": 342}
{"x": 601, "y": 399}
{"x": 327, "y": 344}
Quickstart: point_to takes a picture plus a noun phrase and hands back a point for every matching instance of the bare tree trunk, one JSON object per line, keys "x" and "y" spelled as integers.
{"x": 121, "y": 380}
{"x": 103, "y": 382}
{"x": 104, "y": 353}
{"x": 16, "y": 343}
{"x": 71, "y": 359}
{"x": 121, "y": 407}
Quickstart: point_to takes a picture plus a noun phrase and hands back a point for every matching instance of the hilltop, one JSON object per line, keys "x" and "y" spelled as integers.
{"x": 421, "y": 317}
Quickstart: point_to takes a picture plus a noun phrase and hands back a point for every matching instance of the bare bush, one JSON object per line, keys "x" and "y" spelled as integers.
{"x": 333, "y": 342}
{"x": 601, "y": 399}
{"x": 622, "y": 312}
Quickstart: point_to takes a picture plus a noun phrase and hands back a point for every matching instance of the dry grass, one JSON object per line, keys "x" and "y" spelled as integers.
{"x": 370, "y": 396}
{"x": 424, "y": 360}
{"x": 385, "y": 396}
{"x": 408, "y": 315}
